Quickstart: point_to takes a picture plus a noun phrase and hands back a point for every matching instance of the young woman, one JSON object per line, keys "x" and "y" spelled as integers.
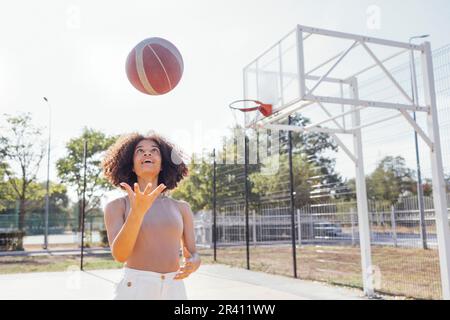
{"x": 146, "y": 227}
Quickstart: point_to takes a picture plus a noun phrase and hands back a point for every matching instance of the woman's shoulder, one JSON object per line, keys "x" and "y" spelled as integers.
{"x": 181, "y": 204}
{"x": 117, "y": 204}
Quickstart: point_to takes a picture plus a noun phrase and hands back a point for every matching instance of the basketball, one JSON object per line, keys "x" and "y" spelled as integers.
{"x": 154, "y": 66}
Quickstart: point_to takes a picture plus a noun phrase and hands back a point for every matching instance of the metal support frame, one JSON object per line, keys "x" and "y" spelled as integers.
{"x": 437, "y": 170}
{"x": 343, "y": 147}
{"x": 360, "y": 38}
{"x": 329, "y": 60}
{"x": 332, "y": 118}
{"x": 341, "y": 57}
{"x": 302, "y": 75}
{"x": 301, "y": 62}
{"x": 431, "y": 138}
{"x": 365, "y": 103}
{"x": 285, "y": 127}
{"x": 388, "y": 74}
{"x": 376, "y": 122}
{"x": 375, "y": 64}
{"x": 418, "y": 129}
{"x": 361, "y": 198}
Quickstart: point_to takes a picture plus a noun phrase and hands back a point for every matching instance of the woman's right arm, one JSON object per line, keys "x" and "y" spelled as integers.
{"x": 121, "y": 235}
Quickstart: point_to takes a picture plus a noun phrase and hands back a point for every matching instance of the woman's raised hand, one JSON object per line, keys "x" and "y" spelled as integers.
{"x": 142, "y": 201}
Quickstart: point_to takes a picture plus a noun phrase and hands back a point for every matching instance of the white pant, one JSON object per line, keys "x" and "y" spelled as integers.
{"x": 148, "y": 285}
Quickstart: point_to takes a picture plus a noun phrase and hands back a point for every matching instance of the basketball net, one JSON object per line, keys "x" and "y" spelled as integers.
{"x": 245, "y": 112}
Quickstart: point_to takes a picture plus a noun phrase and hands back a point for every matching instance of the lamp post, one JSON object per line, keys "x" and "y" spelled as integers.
{"x": 415, "y": 99}
{"x": 47, "y": 199}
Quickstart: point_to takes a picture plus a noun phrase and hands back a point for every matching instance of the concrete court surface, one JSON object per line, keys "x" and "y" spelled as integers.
{"x": 210, "y": 282}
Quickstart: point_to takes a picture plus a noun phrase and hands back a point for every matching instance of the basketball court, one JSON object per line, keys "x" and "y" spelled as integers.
{"x": 210, "y": 282}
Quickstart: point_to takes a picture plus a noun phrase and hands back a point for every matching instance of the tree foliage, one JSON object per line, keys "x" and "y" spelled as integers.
{"x": 70, "y": 168}
{"x": 22, "y": 148}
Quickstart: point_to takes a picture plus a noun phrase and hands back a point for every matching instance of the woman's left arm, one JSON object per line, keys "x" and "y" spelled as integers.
{"x": 191, "y": 256}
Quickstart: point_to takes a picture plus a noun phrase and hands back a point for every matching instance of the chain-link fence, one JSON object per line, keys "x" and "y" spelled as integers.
{"x": 64, "y": 229}
{"x": 327, "y": 242}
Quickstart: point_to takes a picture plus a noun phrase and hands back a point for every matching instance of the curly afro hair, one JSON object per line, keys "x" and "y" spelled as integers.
{"x": 118, "y": 162}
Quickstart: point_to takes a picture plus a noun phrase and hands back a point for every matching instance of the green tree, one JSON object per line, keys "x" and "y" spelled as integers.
{"x": 5, "y": 194}
{"x": 35, "y": 203}
{"x": 23, "y": 150}
{"x": 316, "y": 180}
{"x": 427, "y": 186}
{"x": 196, "y": 188}
{"x": 316, "y": 148}
{"x": 59, "y": 211}
{"x": 58, "y": 199}
{"x": 230, "y": 182}
{"x": 277, "y": 185}
{"x": 71, "y": 167}
{"x": 309, "y": 160}
{"x": 390, "y": 180}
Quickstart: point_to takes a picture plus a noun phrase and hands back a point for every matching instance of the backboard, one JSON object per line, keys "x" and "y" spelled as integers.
{"x": 273, "y": 76}
{"x": 313, "y": 67}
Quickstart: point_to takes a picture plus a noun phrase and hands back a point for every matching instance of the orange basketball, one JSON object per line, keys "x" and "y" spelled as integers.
{"x": 154, "y": 66}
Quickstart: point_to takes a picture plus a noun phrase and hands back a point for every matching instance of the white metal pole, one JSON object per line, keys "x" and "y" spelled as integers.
{"x": 299, "y": 226}
{"x": 341, "y": 89}
{"x": 300, "y": 63}
{"x": 352, "y": 218}
{"x": 439, "y": 196}
{"x": 361, "y": 196}
{"x": 393, "y": 225}
{"x": 254, "y": 227}
{"x": 281, "y": 74}
{"x": 47, "y": 194}
{"x": 336, "y": 34}
{"x": 211, "y": 226}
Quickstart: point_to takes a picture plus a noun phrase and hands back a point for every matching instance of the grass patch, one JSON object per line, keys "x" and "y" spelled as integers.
{"x": 406, "y": 272}
{"x": 55, "y": 263}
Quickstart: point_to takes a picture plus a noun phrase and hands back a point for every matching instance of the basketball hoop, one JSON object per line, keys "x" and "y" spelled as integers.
{"x": 252, "y": 105}
{"x": 245, "y": 107}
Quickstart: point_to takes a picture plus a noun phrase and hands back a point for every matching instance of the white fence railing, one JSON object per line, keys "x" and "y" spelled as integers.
{"x": 334, "y": 223}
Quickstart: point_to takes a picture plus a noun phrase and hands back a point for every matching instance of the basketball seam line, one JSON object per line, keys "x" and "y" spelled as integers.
{"x": 162, "y": 65}
{"x": 141, "y": 72}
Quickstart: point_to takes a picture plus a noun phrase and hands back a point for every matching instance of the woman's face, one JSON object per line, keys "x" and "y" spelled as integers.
{"x": 147, "y": 159}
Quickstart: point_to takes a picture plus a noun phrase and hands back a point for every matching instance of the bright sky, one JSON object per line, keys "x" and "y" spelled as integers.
{"x": 74, "y": 52}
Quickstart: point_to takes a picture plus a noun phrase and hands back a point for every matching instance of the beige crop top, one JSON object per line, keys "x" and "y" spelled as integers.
{"x": 157, "y": 246}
